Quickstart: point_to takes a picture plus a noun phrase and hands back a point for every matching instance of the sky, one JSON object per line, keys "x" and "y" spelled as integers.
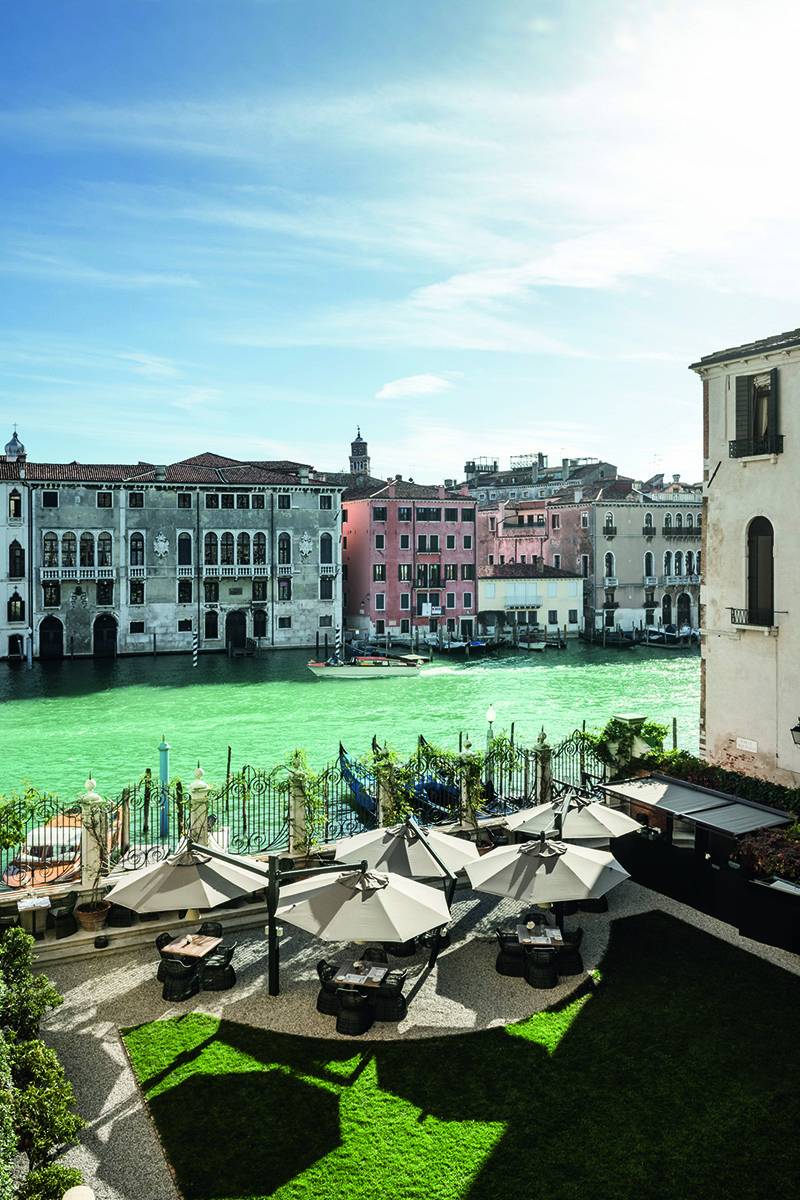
{"x": 471, "y": 228}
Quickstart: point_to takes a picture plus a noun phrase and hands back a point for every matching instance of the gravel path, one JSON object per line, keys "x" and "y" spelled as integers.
{"x": 119, "y": 1153}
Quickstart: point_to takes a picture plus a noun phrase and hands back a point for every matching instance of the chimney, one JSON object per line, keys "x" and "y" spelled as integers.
{"x": 160, "y": 473}
{"x": 303, "y": 474}
{"x": 676, "y": 478}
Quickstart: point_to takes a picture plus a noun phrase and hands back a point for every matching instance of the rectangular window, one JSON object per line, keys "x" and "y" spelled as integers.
{"x": 405, "y": 541}
{"x": 433, "y": 543}
{"x": 184, "y": 591}
{"x": 451, "y": 599}
{"x": 451, "y": 570}
{"x": 242, "y": 500}
{"x": 584, "y": 520}
{"x": 326, "y": 501}
{"x": 344, "y": 516}
{"x": 404, "y": 572}
{"x": 585, "y": 565}
{"x": 405, "y": 600}
{"x": 135, "y": 499}
{"x": 557, "y": 561}
{"x": 257, "y": 500}
{"x": 451, "y": 514}
{"x": 379, "y": 513}
{"x": 51, "y": 595}
{"x": 136, "y": 591}
{"x": 573, "y": 616}
{"x": 757, "y": 426}
{"x": 467, "y": 571}
{"x": 490, "y": 560}
{"x": 405, "y": 625}
{"x": 380, "y": 541}
{"x": 185, "y": 625}
{"x": 467, "y": 599}
{"x": 105, "y": 592}
{"x": 450, "y": 541}
{"x": 380, "y": 601}
{"x": 211, "y": 591}
{"x": 212, "y": 500}
{"x": 467, "y": 541}
{"x": 104, "y": 499}
{"x": 260, "y": 589}
{"x": 284, "y": 500}
{"x": 326, "y": 621}
{"x": 344, "y": 570}
{"x": 380, "y": 627}
{"x": 284, "y": 588}
{"x": 552, "y": 616}
{"x": 136, "y": 627}
{"x": 284, "y": 622}
{"x": 379, "y": 572}
{"x": 226, "y": 500}
{"x": 422, "y": 543}
{"x": 326, "y": 587}
{"x": 49, "y": 499}
{"x": 422, "y": 599}
{"x": 403, "y": 513}
{"x": 344, "y": 542}
{"x": 468, "y": 514}
{"x": 492, "y": 524}
{"x": 429, "y": 514}
{"x": 555, "y": 521}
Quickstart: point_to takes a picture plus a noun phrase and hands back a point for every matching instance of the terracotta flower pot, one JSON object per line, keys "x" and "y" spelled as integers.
{"x": 93, "y": 916}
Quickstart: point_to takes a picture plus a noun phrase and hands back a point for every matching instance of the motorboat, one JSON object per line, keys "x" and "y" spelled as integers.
{"x": 366, "y": 666}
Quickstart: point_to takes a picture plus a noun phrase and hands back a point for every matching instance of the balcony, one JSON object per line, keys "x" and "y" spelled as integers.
{"x": 610, "y": 581}
{"x": 687, "y": 531}
{"x": 751, "y": 447}
{"x": 762, "y": 618}
{"x": 649, "y": 530}
{"x": 650, "y": 580}
{"x": 231, "y": 570}
{"x": 610, "y": 531}
{"x": 284, "y": 569}
{"x": 185, "y": 572}
{"x": 327, "y": 568}
{"x": 137, "y": 572}
{"x": 678, "y": 580}
{"x": 67, "y": 573}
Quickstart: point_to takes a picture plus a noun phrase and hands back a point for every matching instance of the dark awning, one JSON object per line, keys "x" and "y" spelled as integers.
{"x": 703, "y": 806}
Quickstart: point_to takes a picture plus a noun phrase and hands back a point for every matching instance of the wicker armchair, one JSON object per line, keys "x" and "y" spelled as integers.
{"x": 390, "y": 1003}
{"x": 569, "y": 961}
{"x": 375, "y": 954}
{"x": 510, "y": 958}
{"x": 180, "y": 981}
{"x": 217, "y": 974}
{"x": 328, "y": 997}
{"x": 62, "y": 916}
{"x": 211, "y": 929}
{"x": 540, "y": 969}
{"x": 163, "y": 940}
{"x": 355, "y": 1014}
{"x": 401, "y": 949}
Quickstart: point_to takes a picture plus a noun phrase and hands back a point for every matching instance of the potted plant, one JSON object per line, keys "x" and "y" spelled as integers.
{"x": 92, "y": 914}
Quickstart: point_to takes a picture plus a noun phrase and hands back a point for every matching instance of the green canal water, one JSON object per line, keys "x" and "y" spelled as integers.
{"x": 60, "y": 721}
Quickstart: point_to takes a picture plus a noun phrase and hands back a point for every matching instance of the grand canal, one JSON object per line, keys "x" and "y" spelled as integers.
{"x": 58, "y": 722}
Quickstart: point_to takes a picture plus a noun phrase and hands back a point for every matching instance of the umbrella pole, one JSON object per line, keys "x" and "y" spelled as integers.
{"x": 273, "y": 950}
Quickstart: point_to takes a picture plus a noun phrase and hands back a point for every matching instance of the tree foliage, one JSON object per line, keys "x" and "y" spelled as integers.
{"x": 49, "y": 1183}
{"x": 43, "y": 1101}
{"x": 24, "y": 998}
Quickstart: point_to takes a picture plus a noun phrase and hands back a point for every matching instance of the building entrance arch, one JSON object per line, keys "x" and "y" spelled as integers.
{"x": 666, "y": 610}
{"x": 235, "y": 630}
{"x": 684, "y": 609}
{"x": 51, "y": 638}
{"x": 104, "y": 637}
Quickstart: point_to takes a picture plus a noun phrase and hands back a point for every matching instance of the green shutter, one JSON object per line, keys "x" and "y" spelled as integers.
{"x": 773, "y": 414}
{"x": 744, "y": 407}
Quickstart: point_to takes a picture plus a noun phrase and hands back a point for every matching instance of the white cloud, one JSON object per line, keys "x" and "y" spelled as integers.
{"x": 414, "y": 385}
{"x": 151, "y": 366}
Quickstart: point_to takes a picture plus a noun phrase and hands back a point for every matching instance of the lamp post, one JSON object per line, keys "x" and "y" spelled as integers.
{"x": 491, "y": 717}
{"x": 795, "y": 732}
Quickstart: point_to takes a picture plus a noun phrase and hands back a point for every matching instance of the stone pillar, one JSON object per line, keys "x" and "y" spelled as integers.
{"x": 79, "y": 1193}
{"x": 198, "y": 821}
{"x": 298, "y": 824}
{"x": 94, "y": 837}
{"x": 544, "y": 754}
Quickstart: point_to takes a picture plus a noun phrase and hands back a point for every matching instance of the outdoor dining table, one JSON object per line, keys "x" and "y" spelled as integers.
{"x": 192, "y": 945}
{"x": 362, "y": 975}
{"x": 34, "y": 905}
{"x": 548, "y": 938}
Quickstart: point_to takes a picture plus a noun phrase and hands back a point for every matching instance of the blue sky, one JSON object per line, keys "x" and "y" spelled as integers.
{"x": 473, "y": 228}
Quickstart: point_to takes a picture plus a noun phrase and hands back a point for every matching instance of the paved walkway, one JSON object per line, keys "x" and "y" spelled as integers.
{"x": 119, "y": 1153}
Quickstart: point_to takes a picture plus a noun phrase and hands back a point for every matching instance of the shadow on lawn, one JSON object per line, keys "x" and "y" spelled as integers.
{"x": 674, "y": 1079}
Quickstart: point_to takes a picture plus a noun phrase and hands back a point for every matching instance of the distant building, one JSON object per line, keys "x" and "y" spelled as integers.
{"x": 530, "y": 477}
{"x": 130, "y": 558}
{"x": 518, "y": 597}
{"x": 750, "y": 692}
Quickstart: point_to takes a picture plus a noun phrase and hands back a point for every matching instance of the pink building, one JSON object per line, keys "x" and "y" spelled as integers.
{"x": 512, "y": 531}
{"x": 409, "y": 556}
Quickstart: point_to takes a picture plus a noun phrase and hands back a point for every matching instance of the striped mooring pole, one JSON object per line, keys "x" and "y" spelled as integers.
{"x": 195, "y": 648}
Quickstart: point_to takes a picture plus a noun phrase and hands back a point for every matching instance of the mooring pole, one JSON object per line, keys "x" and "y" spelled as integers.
{"x": 273, "y": 950}
{"x": 163, "y": 787}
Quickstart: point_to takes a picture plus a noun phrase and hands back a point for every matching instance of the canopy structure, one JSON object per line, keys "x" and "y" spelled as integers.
{"x": 586, "y": 820}
{"x": 719, "y": 811}
{"x": 546, "y": 870}
{"x": 368, "y": 906}
{"x": 406, "y": 850}
{"x": 190, "y": 878}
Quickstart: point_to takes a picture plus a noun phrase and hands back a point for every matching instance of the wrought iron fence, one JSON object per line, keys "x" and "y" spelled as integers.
{"x": 575, "y": 762}
{"x": 49, "y": 852}
{"x": 345, "y": 802}
{"x": 147, "y": 822}
{"x": 249, "y": 814}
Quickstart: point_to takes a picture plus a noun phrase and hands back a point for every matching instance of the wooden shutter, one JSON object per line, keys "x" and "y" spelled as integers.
{"x": 773, "y": 413}
{"x": 744, "y": 407}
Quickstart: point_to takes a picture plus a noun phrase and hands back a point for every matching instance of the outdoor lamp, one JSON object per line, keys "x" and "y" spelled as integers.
{"x": 795, "y": 732}
{"x": 491, "y": 715}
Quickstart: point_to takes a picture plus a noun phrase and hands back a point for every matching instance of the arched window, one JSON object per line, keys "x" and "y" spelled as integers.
{"x": 609, "y": 563}
{"x": 689, "y": 562}
{"x": 69, "y": 550}
{"x": 16, "y": 608}
{"x": 50, "y": 550}
{"x": 87, "y": 550}
{"x": 284, "y": 548}
{"x": 104, "y": 550}
{"x": 326, "y": 548}
{"x": 136, "y": 550}
{"x": 259, "y": 623}
{"x": 760, "y": 591}
{"x": 648, "y": 563}
{"x": 667, "y": 562}
{"x": 14, "y": 506}
{"x": 16, "y": 561}
{"x": 699, "y": 521}
{"x": 648, "y": 520}
{"x": 666, "y": 610}
{"x": 184, "y": 549}
{"x": 679, "y": 520}
{"x": 668, "y": 520}
{"x": 259, "y": 549}
{"x": 678, "y": 562}
{"x": 226, "y": 549}
{"x": 243, "y": 549}
{"x": 211, "y": 625}
{"x": 609, "y": 520}
{"x": 211, "y": 552}
{"x": 689, "y": 521}
{"x": 698, "y": 565}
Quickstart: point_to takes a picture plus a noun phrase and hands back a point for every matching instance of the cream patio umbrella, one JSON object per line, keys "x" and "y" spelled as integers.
{"x": 546, "y": 871}
{"x": 191, "y": 878}
{"x": 406, "y": 850}
{"x": 363, "y": 906}
{"x": 586, "y": 820}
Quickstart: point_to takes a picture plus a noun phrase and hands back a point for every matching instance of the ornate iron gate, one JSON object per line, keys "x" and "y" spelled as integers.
{"x": 576, "y": 763}
{"x": 250, "y": 813}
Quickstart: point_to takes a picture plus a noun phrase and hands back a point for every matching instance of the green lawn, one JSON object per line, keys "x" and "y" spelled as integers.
{"x": 677, "y": 1078}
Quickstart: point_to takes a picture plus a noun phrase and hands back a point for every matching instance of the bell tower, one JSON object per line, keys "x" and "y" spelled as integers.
{"x": 359, "y": 455}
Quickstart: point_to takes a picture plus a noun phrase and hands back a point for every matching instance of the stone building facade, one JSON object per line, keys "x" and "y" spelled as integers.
{"x": 517, "y": 598}
{"x": 750, "y": 688}
{"x": 138, "y": 558}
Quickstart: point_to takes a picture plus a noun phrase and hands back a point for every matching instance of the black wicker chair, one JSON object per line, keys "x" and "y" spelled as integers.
{"x": 595, "y": 906}
{"x": 401, "y": 949}
{"x": 569, "y": 961}
{"x": 573, "y": 937}
{"x": 540, "y": 969}
{"x": 210, "y": 929}
{"x": 163, "y": 940}
{"x": 355, "y": 1015}
{"x": 62, "y": 916}
{"x": 510, "y": 957}
{"x": 328, "y": 997}
{"x": 375, "y": 954}
{"x": 217, "y": 974}
{"x": 120, "y": 917}
{"x": 180, "y": 980}
{"x": 389, "y": 1003}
